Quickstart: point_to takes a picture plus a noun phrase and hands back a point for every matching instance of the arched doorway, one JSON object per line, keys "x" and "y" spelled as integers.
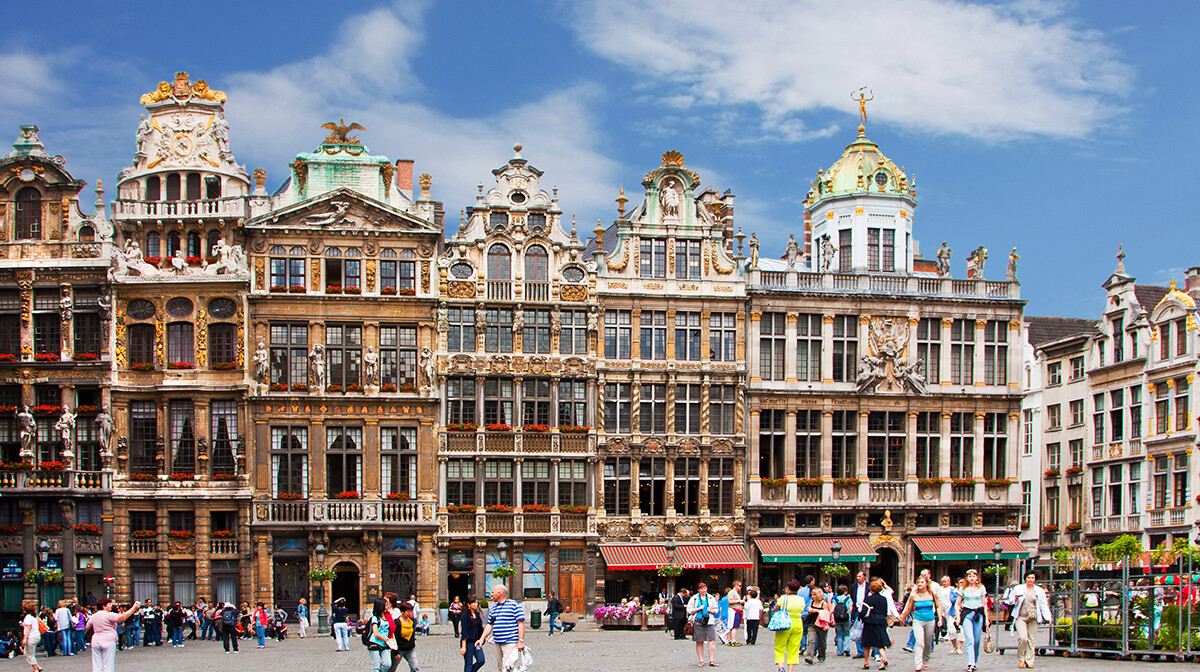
{"x": 887, "y": 567}
{"x": 346, "y": 585}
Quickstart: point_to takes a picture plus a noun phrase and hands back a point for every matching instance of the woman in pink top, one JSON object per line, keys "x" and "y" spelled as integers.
{"x": 103, "y": 625}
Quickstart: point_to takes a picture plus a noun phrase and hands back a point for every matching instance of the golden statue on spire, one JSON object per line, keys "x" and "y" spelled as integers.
{"x": 862, "y": 101}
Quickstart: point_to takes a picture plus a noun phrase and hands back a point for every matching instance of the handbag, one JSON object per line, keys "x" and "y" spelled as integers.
{"x": 689, "y": 629}
{"x": 781, "y": 619}
{"x": 856, "y": 631}
{"x": 989, "y": 645}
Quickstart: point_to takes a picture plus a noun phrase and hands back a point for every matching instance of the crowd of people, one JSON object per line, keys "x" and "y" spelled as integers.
{"x": 860, "y": 615}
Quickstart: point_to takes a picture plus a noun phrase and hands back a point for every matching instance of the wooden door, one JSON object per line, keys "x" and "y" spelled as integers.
{"x": 570, "y": 591}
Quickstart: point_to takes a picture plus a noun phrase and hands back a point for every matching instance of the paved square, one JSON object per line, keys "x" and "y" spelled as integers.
{"x": 587, "y": 650}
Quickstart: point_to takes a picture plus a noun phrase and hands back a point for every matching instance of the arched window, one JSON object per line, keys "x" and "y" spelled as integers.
{"x": 153, "y": 245}
{"x": 193, "y": 244}
{"x": 537, "y": 264}
{"x": 213, "y": 237}
{"x": 172, "y": 243}
{"x": 193, "y": 186}
{"x": 87, "y": 234}
{"x": 499, "y": 263}
{"x": 153, "y": 188}
{"x": 29, "y": 213}
{"x": 173, "y": 187}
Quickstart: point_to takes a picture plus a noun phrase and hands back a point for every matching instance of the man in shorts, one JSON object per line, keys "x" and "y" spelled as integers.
{"x": 736, "y": 606}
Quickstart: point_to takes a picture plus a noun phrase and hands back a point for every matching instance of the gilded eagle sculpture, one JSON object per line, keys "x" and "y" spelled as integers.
{"x": 339, "y": 132}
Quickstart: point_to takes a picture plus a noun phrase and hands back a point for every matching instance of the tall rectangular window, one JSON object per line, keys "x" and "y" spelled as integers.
{"x": 962, "y": 352}
{"x": 654, "y": 334}
{"x": 687, "y": 259}
{"x": 1179, "y": 476}
{"x": 721, "y": 486}
{"x": 722, "y": 337}
{"x": 1076, "y": 410}
{"x": 617, "y": 481}
{"x": 687, "y": 486}
{"x": 47, "y": 323}
{"x": 180, "y": 348}
{"x": 1027, "y": 431}
{"x": 343, "y": 459}
{"x": 808, "y": 347}
{"x": 498, "y": 330}
{"x": 536, "y": 337}
{"x": 406, "y": 272}
{"x": 1182, "y": 418}
{"x": 1026, "y": 502}
{"x": 929, "y": 443}
{"x": 572, "y": 402}
{"x": 617, "y": 334}
{"x": 962, "y": 445}
{"x": 995, "y": 352}
{"x": 845, "y": 348}
{"x": 687, "y": 336}
{"x": 10, "y": 323}
{"x": 498, "y": 401}
{"x": 1160, "y": 481}
{"x": 1118, "y": 340}
{"x": 535, "y": 401}
{"x": 888, "y": 263}
{"x": 398, "y": 460}
{"x": 460, "y": 334}
{"x": 460, "y": 483}
{"x": 872, "y": 249}
{"x": 289, "y": 354}
{"x": 995, "y": 445}
{"x": 844, "y": 438}
{"x": 845, "y": 255}
{"x": 652, "y": 486}
{"x": 808, "y": 443}
{"x": 654, "y": 258}
{"x": 1076, "y": 369}
{"x": 143, "y": 432}
{"x": 772, "y": 443}
{"x": 572, "y": 483}
{"x": 1164, "y": 341}
{"x": 687, "y": 409}
{"x": 722, "y": 404}
{"x": 1135, "y": 412}
{"x": 87, "y": 323}
{"x": 1135, "y": 488}
{"x": 343, "y": 354}
{"x": 1075, "y": 448}
{"x": 572, "y": 337}
{"x": 499, "y": 488}
{"x": 1054, "y": 373}
{"x": 1162, "y": 408}
{"x": 222, "y": 345}
{"x": 183, "y": 436}
{"x": 289, "y": 460}
{"x": 1116, "y": 414}
{"x": 652, "y": 412}
{"x": 1181, "y": 338}
{"x": 387, "y": 277}
{"x": 1098, "y": 434}
{"x": 772, "y": 348}
{"x": 1116, "y": 491}
{"x": 885, "y": 445}
{"x": 397, "y": 355}
{"x": 929, "y": 348}
{"x": 460, "y": 400}
{"x": 1054, "y": 416}
{"x": 535, "y": 482}
{"x": 223, "y": 433}
{"x": 616, "y": 408}
{"x": 1054, "y": 455}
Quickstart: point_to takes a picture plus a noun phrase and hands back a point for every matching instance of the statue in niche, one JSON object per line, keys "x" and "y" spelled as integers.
{"x": 66, "y": 431}
{"x": 370, "y": 366}
{"x": 106, "y": 425}
{"x": 27, "y": 428}
{"x": 316, "y": 366}
{"x": 429, "y": 368}
{"x": 262, "y": 363}
{"x": 668, "y": 198}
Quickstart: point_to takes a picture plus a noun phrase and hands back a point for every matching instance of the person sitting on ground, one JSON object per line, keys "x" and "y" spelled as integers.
{"x": 569, "y": 620}
{"x": 424, "y": 624}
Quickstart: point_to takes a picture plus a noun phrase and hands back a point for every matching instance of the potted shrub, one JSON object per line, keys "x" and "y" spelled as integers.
{"x": 278, "y": 289}
{"x": 847, "y": 482}
{"x": 224, "y": 477}
{"x": 408, "y": 291}
{"x": 85, "y": 356}
{"x": 224, "y": 534}
{"x": 224, "y": 366}
{"x": 143, "y": 534}
{"x": 354, "y": 387}
{"x": 503, "y": 572}
{"x": 86, "y": 409}
{"x": 299, "y": 387}
{"x": 499, "y": 427}
{"x": 333, "y": 289}
{"x": 10, "y": 529}
{"x": 499, "y": 508}
{"x": 462, "y": 427}
{"x": 144, "y": 478}
{"x": 1051, "y": 473}
{"x": 1074, "y": 471}
{"x": 773, "y": 482}
{"x": 321, "y": 575}
{"x": 573, "y": 429}
{"x": 931, "y": 482}
{"x": 407, "y": 387}
{"x": 297, "y": 289}
{"x": 669, "y": 570}
{"x": 182, "y": 476}
{"x": 49, "y": 529}
{"x": 352, "y": 290}
{"x": 809, "y": 482}
{"x": 46, "y": 357}
{"x": 387, "y": 387}
{"x": 537, "y": 429}
{"x": 835, "y": 569}
{"x": 388, "y": 291}
{"x": 7, "y": 357}
{"x": 46, "y": 409}
{"x": 334, "y": 387}
{"x": 444, "y": 611}
{"x": 181, "y": 365}
{"x": 142, "y": 366}
{"x": 17, "y": 466}
{"x": 963, "y": 482}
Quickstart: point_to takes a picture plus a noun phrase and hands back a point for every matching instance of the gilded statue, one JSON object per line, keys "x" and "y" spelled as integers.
{"x": 339, "y": 133}
{"x": 862, "y": 101}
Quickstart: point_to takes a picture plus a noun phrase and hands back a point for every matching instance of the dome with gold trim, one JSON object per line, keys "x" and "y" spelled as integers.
{"x": 862, "y": 169}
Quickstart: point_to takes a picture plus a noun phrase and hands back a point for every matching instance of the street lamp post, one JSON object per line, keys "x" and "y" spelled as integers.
{"x": 997, "y": 551}
{"x": 835, "y": 552}
{"x": 671, "y": 561}
{"x": 322, "y": 613}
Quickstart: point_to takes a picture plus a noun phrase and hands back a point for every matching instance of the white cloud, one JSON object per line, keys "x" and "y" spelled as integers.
{"x": 365, "y": 76}
{"x": 943, "y": 66}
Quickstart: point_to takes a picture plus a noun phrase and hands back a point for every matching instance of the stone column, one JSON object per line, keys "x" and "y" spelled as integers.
{"x": 370, "y": 457}
{"x": 163, "y": 524}
{"x": 860, "y": 453}
{"x": 203, "y": 565}
{"x": 480, "y": 567}
{"x": 669, "y": 489}
{"x": 753, "y": 448}
{"x": 789, "y": 362}
{"x": 789, "y": 442}
{"x": 754, "y": 354}
{"x": 430, "y": 581}
{"x": 827, "y": 348}
{"x": 443, "y": 570}
{"x": 980, "y": 344}
{"x": 552, "y": 566}
{"x": 671, "y": 405}
{"x": 946, "y": 347}
{"x": 517, "y": 562}
{"x": 316, "y": 459}
{"x": 977, "y": 452}
{"x": 910, "y": 457}
{"x": 704, "y": 511}
{"x": 635, "y": 342}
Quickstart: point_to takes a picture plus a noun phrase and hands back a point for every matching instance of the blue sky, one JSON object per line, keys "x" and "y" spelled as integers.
{"x": 1047, "y": 124}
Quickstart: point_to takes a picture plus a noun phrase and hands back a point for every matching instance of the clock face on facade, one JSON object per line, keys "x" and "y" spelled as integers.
{"x": 461, "y": 270}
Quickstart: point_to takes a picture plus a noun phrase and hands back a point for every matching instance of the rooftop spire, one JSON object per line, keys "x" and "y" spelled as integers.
{"x": 1120, "y": 260}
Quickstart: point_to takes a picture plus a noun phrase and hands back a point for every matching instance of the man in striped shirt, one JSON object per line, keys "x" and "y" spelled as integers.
{"x": 506, "y": 625}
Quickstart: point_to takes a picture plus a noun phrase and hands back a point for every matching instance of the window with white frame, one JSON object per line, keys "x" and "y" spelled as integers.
{"x": 962, "y": 445}
{"x": 1076, "y": 410}
{"x": 1027, "y": 431}
{"x": 962, "y": 352}
{"x": 572, "y": 402}
{"x": 687, "y": 409}
{"x": 772, "y": 345}
{"x": 654, "y": 334}
{"x": 460, "y": 400}
{"x": 808, "y": 347}
{"x": 844, "y": 443}
{"x": 1053, "y": 373}
{"x": 654, "y": 258}
{"x": 995, "y": 352}
{"x": 617, "y": 334}
{"x": 498, "y": 401}
{"x": 572, "y": 483}
{"x": 498, "y": 330}
{"x": 995, "y": 445}
{"x": 652, "y": 411}
{"x": 343, "y": 459}
{"x": 808, "y": 443}
{"x": 1182, "y": 418}
{"x": 397, "y": 355}
{"x": 885, "y": 445}
{"x": 398, "y": 461}
{"x": 1116, "y": 414}
{"x": 536, "y": 337}
{"x": 687, "y": 259}
{"x": 687, "y": 335}
{"x": 1076, "y": 368}
{"x": 572, "y": 337}
{"x": 1098, "y": 434}
{"x": 722, "y": 337}
{"x": 460, "y": 336}
{"x": 929, "y": 443}
{"x": 929, "y": 348}
{"x": 845, "y": 348}
{"x": 460, "y": 482}
{"x": 289, "y": 460}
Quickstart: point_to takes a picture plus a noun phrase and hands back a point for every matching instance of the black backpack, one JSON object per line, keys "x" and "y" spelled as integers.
{"x": 229, "y": 617}
{"x": 841, "y": 613}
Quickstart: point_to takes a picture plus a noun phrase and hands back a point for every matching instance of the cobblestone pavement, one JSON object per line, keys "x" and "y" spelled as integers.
{"x": 586, "y": 650}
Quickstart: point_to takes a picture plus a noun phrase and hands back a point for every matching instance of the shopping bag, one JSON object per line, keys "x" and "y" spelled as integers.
{"x": 781, "y": 619}
{"x": 856, "y": 631}
{"x": 989, "y": 645}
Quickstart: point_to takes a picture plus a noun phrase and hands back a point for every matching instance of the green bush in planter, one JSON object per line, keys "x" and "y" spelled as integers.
{"x": 483, "y": 604}
{"x": 444, "y": 604}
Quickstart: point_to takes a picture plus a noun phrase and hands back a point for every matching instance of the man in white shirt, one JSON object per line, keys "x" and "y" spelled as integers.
{"x": 736, "y": 616}
{"x": 858, "y": 592}
{"x": 62, "y": 627}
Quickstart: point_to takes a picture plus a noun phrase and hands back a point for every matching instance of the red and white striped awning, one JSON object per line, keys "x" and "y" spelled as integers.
{"x": 626, "y": 557}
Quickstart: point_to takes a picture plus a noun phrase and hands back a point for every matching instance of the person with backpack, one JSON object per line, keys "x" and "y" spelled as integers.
{"x": 228, "y": 623}
{"x": 376, "y": 636}
{"x": 842, "y": 606}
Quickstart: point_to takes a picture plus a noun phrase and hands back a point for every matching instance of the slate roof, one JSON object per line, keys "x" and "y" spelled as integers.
{"x": 1149, "y": 295}
{"x": 1047, "y": 329}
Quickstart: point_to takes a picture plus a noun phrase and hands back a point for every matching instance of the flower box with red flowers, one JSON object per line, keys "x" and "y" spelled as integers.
{"x": 16, "y": 466}
{"x": 352, "y": 290}
{"x": 181, "y": 365}
{"x": 193, "y": 261}
{"x": 408, "y": 292}
{"x": 334, "y": 388}
{"x": 387, "y": 291}
{"x": 847, "y": 482}
{"x": 182, "y": 534}
{"x": 572, "y": 509}
{"x": 498, "y": 427}
{"x": 537, "y": 429}
{"x": 809, "y": 482}
{"x": 1050, "y": 529}
{"x": 224, "y": 366}
{"x": 145, "y": 478}
{"x": 462, "y": 508}
{"x": 574, "y": 429}
{"x": 182, "y": 476}
{"x": 46, "y": 357}
{"x": 299, "y": 387}
{"x": 1074, "y": 471}
{"x": 333, "y": 289}
{"x": 85, "y": 356}
{"x": 224, "y": 477}
{"x": 535, "y": 508}
{"x": 963, "y": 482}
{"x": 47, "y": 409}
{"x": 87, "y": 409}
{"x": 146, "y": 366}
{"x": 7, "y": 357}
{"x": 10, "y": 529}
{"x": 87, "y": 528}
{"x": 297, "y": 289}
{"x": 1074, "y": 527}
{"x": 223, "y": 534}
{"x": 498, "y": 508}
{"x": 52, "y": 465}
{"x": 398, "y": 496}
{"x": 49, "y": 529}
{"x": 212, "y": 259}
{"x": 930, "y": 482}
{"x": 462, "y": 427}
{"x": 144, "y": 534}
{"x": 153, "y": 261}
{"x": 278, "y": 289}
{"x": 773, "y": 482}
{"x": 1050, "y": 473}
{"x": 279, "y": 387}
{"x": 998, "y": 482}
{"x": 7, "y": 408}
{"x": 288, "y": 496}
{"x": 408, "y": 387}
{"x": 387, "y": 387}
{"x": 348, "y": 494}
{"x": 354, "y": 387}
